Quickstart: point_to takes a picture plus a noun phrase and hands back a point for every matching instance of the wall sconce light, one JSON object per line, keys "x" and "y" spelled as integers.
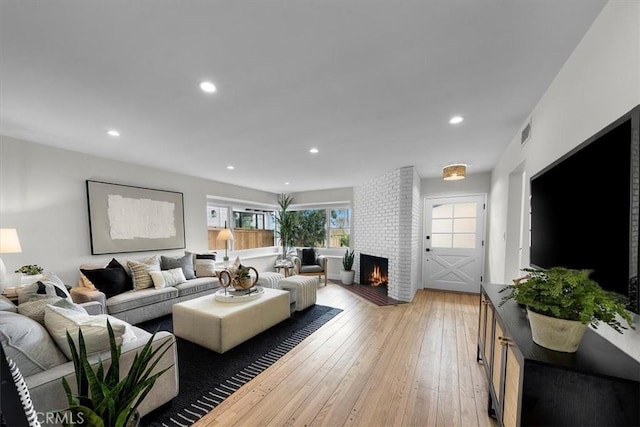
{"x": 454, "y": 172}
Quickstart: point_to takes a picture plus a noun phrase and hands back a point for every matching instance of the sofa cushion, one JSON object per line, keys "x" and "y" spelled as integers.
{"x": 111, "y": 280}
{"x": 59, "y": 320}
{"x": 7, "y": 305}
{"x": 28, "y": 344}
{"x": 196, "y": 285}
{"x": 165, "y": 278}
{"x": 315, "y": 268}
{"x": 140, "y": 271}
{"x": 134, "y": 299}
{"x": 185, "y": 262}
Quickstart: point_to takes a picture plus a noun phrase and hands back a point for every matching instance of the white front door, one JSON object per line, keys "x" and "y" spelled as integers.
{"x": 454, "y": 243}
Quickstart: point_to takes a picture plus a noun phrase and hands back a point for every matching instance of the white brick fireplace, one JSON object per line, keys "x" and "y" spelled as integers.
{"x": 387, "y": 224}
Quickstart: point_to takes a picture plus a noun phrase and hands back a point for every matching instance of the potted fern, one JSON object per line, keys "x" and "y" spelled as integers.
{"x": 347, "y": 274}
{"x": 562, "y": 302}
{"x": 103, "y": 399}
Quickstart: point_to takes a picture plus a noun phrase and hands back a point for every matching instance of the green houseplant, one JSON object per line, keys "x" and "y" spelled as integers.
{"x": 285, "y": 221}
{"x": 347, "y": 274}
{"x": 103, "y": 399}
{"x": 30, "y": 270}
{"x": 30, "y": 273}
{"x": 568, "y": 298}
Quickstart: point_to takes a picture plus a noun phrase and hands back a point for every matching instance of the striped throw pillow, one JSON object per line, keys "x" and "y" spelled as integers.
{"x": 140, "y": 272}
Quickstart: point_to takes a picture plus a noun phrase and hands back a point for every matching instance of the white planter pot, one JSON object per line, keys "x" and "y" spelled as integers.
{"x": 346, "y": 277}
{"x": 27, "y": 279}
{"x": 556, "y": 334}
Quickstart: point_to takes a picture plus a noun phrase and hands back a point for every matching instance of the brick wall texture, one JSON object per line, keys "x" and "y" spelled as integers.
{"x": 386, "y": 223}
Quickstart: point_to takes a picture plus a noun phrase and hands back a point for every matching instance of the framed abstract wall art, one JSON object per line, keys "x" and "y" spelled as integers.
{"x": 124, "y": 218}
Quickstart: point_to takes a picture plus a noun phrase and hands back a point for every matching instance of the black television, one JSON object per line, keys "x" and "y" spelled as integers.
{"x": 584, "y": 209}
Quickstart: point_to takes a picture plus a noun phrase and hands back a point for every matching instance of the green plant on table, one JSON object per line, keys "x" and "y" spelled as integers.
{"x": 31, "y": 269}
{"x": 243, "y": 272}
{"x": 347, "y": 260}
{"x": 568, "y": 294}
{"x": 103, "y": 399}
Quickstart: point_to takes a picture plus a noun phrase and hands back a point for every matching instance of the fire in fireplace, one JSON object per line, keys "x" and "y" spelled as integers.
{"x": 373, "y": 270}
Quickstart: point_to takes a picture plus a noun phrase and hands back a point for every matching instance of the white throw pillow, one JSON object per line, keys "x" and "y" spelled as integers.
{"x": 59, "y": 320}
{"x": 54, "y": 286}
{"x": 203, "y": 264}
{"x": 164, "y": 278}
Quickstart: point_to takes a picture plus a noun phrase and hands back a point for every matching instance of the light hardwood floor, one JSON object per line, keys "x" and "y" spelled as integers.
{"x": 407, "y": 365}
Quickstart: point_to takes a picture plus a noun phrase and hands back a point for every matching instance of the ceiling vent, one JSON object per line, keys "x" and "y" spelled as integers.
{"x": 526, "y": 133}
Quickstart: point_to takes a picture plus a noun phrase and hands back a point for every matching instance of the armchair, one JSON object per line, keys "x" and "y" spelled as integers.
{"x": 316, "y": 268}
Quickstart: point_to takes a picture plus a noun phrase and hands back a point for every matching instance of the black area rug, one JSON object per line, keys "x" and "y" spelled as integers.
{"x": 207, "y": 378}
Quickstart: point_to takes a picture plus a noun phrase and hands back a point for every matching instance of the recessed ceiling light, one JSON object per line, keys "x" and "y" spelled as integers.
{"x": 313, "y": 150}
{"x": 286, "y": 183}
{"x": 113, "y": 132}
{"x": 207, "y": 87}
{"x": 456, "y": 119}
{"x": 230, "y": 167}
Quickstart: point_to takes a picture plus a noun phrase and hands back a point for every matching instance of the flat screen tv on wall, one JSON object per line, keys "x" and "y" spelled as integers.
{"x": 584, "y": 209}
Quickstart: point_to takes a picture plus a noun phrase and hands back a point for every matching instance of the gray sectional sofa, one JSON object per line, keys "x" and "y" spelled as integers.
{"x": 137, "y": 290}
{"x": 34, "y": 346}
{"x": 136, "y": 306}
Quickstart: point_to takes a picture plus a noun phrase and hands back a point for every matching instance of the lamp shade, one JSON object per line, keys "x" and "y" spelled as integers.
{"x": 454, "y": 172}
{"x": 9, "y": 242}
{"x": 225, "y": 235}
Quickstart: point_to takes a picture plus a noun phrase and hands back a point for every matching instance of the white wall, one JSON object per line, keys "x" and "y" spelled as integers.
{"x": 323, "y": 196}
{"x": 43, "y": 195}
{"x": 599, "y": 83}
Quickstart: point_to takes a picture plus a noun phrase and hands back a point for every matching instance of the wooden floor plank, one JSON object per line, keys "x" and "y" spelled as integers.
{"x": 406, "y": 365}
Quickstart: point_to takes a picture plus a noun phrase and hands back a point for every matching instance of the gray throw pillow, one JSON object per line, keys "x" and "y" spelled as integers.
{"x": 28, "y": 344}
{"x": 185, "y": 262}
{"x": 7, "y": 305}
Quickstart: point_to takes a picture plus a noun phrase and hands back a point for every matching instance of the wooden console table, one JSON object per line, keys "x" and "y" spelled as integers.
{"x": 530, "y": 385}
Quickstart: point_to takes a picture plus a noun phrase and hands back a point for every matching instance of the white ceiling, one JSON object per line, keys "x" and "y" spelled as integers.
{"x": 371, "y": 84}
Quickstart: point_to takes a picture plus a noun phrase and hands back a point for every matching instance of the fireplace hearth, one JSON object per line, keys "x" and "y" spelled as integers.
{"x": 374, "y": 271}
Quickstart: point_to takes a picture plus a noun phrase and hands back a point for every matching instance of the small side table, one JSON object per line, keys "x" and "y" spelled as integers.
{"x": 287, "y": 267}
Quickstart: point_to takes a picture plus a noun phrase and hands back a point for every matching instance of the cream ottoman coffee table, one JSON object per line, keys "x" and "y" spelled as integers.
{"x": 220, "y": 326}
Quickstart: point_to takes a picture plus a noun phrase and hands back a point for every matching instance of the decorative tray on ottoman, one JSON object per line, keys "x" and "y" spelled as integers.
{"x": 234, "y": 295}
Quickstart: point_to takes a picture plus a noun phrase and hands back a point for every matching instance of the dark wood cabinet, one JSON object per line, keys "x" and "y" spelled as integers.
{"x": 599, "y": 385}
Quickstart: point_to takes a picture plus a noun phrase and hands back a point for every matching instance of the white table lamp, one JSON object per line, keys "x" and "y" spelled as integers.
{"x": 9, "y": 244}
{"x": 225, "y": 235}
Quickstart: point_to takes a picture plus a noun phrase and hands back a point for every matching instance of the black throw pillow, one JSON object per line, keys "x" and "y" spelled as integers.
{"x": 111, "y": 280}
{"x": 308, "y": 256}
